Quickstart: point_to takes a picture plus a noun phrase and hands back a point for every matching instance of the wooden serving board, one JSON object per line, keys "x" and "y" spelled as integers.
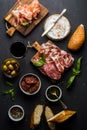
{"x": 36, "y": 46}
{"x": 37, "y": 55}
{"x": 26, "y": 30}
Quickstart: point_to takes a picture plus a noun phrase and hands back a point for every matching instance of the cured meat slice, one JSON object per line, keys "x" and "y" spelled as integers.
{"x": 68, "y": 60}
{"x": 58, "y": 64}
{"x": 50, "y": 70}
{"x": 25, "y": 13}
{"x": 57, "y": 60}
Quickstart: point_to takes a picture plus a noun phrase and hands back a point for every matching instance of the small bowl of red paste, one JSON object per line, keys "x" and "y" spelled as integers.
{"x": 30, "y": 84}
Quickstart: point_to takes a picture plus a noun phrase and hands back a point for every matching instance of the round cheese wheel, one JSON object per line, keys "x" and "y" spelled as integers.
{"x": 60, "y": 30}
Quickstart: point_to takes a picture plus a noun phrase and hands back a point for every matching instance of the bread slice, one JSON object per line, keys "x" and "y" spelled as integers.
{"x": 62, "y": 116}
{"x": 48, "y": 115}
{"x": 36, "y": 116}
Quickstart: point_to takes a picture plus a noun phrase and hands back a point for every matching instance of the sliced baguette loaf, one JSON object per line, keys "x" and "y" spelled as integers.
{"x": 62, "y": 116}
{"x": 48, "y": 115}
{"x": 36, "y": 116}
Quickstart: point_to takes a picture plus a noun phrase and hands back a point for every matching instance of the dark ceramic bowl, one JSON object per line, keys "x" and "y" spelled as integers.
{"x": 16, "y": 113}
{"x": 30, "y": 84}
{"x": 10, "y": 67}
{"x": 53, "y": 93}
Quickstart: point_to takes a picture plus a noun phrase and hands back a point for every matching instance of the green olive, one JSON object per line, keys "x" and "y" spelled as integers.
{"x": 16, "y": 65}
{"x": 13, "y": 73}
{"x": 10, "y": 66}
{"x": 8, "y": 62}
{"x": 5, "y": 68}
{"x": 13, "y": 61}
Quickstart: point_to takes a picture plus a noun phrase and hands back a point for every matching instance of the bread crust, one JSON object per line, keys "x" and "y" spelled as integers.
{"x": 32, "y": 126}
{"x": 62, "y": 116}
{"x": 77, "y": 39}
{"x": 38, "y": 111}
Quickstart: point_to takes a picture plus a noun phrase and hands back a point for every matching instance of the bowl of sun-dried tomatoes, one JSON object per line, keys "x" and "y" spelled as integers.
{"x": 30, "y": 84}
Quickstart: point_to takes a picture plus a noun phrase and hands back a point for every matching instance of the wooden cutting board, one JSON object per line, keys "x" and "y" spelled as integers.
{"x": 26, "y": 30}
{"x": 36, "y": 46}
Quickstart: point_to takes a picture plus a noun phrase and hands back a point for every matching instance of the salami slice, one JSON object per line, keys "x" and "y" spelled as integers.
{"x": 68, "y": 60}
{"x": 57, "y": 60}
{"x": 50, "y": 70}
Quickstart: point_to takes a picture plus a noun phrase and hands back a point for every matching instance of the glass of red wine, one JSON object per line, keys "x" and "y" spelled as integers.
{"x": 19, "y": 49}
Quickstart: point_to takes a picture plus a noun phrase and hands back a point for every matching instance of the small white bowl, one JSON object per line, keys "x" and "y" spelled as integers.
{"x": 49, "y": 93}
{"x": 16, "y": 113}
{"x": 31, "y": 85}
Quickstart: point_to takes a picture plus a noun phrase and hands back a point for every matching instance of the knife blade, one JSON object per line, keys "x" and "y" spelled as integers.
{"x": 60, "y": 15}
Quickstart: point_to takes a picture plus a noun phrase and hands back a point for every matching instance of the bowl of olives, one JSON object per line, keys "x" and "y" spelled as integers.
{"x": 10, "y": 67}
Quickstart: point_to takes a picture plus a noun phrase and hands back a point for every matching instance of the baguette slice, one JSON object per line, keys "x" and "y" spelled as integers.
{"x": 36, "y": 116}
{"x": 48, "y": 115}
{"x": 62, "y": 116}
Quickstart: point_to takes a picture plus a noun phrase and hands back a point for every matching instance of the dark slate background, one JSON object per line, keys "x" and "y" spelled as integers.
{"x": 75, "y": 98}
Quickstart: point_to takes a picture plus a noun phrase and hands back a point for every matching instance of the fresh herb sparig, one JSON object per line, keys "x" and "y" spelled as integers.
{"x": 25, "y": 23}
{"x": 75, "y": 72}
{"x": 10, "y": 92}
{"x": 9, "y": 83}
{"x": 41, "y": 61}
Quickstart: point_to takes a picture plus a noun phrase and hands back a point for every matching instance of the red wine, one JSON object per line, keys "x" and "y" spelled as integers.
{"x": 18, "y": 49}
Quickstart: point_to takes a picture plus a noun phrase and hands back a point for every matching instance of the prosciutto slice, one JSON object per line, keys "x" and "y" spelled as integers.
{"x": 57, "y": 60}
{"x": 25, "y": 12}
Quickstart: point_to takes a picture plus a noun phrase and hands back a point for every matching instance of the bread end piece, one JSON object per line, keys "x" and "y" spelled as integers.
{"x": 77, "y": 39}
{"x": 62, "y": 116}
{"x": 48, "y": 115}
{"x": 36, "y": 116}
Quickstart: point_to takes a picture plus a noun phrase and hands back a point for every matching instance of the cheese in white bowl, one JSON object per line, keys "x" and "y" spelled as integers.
{"x": 60, "y": 30}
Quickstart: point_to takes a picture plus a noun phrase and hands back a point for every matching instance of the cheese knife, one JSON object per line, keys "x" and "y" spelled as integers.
{"x": 60, "y": 15}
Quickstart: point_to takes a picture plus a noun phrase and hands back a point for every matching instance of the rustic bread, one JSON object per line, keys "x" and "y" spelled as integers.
{"x": 48, "y": 115}
{"x": 62, "y": 116}
{"x": 77, "y": 39}
{"x": 36, "y": 116}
